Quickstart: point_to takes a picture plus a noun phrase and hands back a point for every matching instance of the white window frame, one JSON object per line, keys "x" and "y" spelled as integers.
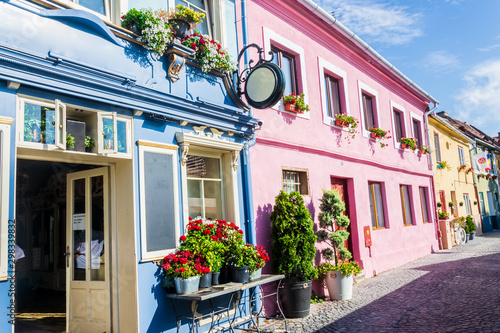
{"x": 5, "y": 158}
{"x": 221, "y": 173}
{"x": 363, "y": 88}
{"x": 20, "y": 123}
{"x": 420, "y": 119}
{"x": 341, "y": 75}
{"x": 158, "y": 148}
{"x": 109, "y": 8}
{"x": 100, "y": 130}
{"x": 461, "y": 155}
{"x": 203, "y": 145}
{"x": 272, "y": 38}
{"x": 404, "y": 128}
{"x": 468, "y": 208}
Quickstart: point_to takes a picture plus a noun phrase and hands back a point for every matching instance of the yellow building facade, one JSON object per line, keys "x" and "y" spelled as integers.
{"x": 453, "y": 174}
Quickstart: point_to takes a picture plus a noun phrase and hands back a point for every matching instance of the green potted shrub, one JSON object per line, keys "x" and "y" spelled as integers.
{"x": 333, "y": 224}
{"x": 89, "y": 143}
{"x": 469, "y": 222}
{"x": 293, "y": 252}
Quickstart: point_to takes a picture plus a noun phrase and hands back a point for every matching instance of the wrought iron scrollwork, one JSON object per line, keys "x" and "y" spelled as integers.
{"x": 241, "y": 77}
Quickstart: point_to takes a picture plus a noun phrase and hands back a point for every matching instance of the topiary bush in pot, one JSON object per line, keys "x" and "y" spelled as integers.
{"x": 334, "y": 223}
{"x": 293, "y": 251}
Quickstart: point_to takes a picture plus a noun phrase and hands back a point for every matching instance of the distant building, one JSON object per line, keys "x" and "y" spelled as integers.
{"x": 484, "y": 150}
{"x": 453, "y": 166}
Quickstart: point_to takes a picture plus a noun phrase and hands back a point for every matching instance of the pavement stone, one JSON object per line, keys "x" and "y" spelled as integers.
{"x": 456, "y": 290}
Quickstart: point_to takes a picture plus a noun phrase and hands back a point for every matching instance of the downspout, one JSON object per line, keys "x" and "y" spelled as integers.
{"x": 474, "y": 146}
{"x": 433, "y": 186}
{"x": 245, "y": 166}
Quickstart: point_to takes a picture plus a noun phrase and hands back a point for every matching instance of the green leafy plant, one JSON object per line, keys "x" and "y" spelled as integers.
{"x": 443, "y": 215}
{"x": 184, "y": 13}
{"x": 347, "y": 268}
{"x": 443, "y": 165}
{"x": 347, "y": 121}
{"x": 293, "y": 237}
{"x": 380, "y": 134}
{"x": 470, "y": 223}
{"x": 89, "y": 142}
{"x": 334, "y": 224}
{"x": 209, "y": 53}
{"x": 410, "y": 142}
{"x": 315, "y": 298}
{"x": 70, "y": 141}
{"x": 155, "y": 31}
{"x": 298, "y": 100}
{"x": 439, "y": 204}
{"x": 424, "y": 150}
{"x": 450, "y": 204}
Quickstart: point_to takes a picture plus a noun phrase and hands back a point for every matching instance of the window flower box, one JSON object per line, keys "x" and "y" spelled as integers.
{"x": 295, "y": 103}
{"x": 378, "y": 133}
{"x": 409, "y": 143}
{"x": 424, "y": 150}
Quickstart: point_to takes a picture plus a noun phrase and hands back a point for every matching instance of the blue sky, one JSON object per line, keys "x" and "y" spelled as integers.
{"x": 450, "y": 48}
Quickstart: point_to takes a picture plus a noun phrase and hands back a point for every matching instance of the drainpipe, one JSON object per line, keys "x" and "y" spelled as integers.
{"x": 248, "y": 192}
{"x": 245, "y": 166}
{"x": 426, "y": 128}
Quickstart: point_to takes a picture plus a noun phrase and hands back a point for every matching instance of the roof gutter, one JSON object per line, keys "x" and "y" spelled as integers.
{"x": 332, "y": 21}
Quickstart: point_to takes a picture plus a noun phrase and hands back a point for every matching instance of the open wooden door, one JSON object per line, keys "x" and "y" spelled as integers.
{"x": 87, "y": 252}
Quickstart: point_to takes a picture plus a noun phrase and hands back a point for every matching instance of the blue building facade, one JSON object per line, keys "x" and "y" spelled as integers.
{"x": 106, "y": 150}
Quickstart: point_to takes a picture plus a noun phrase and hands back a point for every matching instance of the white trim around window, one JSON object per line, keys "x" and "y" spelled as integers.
{"x": 325, "y": 66}
{"x": 420, "y": 119}
{"x": 404, "y": 127}
{"x": 174, "y": 225}
{"x": 229, "y": 152}
{"x": 272, "y": 38}
{"x": 363, "y": 88}
{"x": 5, "y": 127}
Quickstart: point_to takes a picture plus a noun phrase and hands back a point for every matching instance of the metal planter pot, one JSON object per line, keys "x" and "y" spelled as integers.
{"x": 295, "y": 299}
{"x": 186, "y": 286}
{"x": 339, "y": 285}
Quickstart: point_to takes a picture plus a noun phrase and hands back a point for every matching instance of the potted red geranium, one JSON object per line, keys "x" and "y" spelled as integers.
{"x": 186, "y": 268}
{"x": 295, "y": 103}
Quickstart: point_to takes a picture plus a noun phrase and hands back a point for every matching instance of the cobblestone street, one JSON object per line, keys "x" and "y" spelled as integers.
{"x": 455, "y": 290}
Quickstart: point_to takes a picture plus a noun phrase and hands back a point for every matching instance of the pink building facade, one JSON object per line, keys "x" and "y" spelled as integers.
{"x": 387, "y": 189}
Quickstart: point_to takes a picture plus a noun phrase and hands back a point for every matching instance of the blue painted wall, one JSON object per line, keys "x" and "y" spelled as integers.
{"x": 72, "y": 56}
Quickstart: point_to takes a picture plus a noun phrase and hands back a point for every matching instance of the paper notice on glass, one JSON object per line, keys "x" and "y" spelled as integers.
{"x": 78, "y": 221}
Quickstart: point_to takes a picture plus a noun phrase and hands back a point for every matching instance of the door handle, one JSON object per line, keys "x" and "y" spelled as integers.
{"x": 67, "y": 254}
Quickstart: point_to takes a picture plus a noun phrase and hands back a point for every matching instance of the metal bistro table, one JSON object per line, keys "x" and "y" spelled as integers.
{"x": 217, "y": 313}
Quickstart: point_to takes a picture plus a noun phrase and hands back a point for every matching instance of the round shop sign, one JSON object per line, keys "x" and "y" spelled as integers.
{"x": 264, "y": 86}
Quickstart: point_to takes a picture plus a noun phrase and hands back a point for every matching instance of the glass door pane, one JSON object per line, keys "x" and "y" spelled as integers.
{"x": 78, "y": 223}
{"x": 194, "y": 198}
{"x": 98, "y": 262}
{"x": 212, "y": 199}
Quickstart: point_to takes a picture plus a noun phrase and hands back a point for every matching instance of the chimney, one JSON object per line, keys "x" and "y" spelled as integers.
{"x": 443, "y": 114}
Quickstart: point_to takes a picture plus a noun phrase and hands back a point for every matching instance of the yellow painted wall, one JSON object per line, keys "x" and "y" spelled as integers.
{"x": 453, "y": 180}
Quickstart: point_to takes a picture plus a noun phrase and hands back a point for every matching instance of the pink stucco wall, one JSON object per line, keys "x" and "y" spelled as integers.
{"x": 290, "y": 141}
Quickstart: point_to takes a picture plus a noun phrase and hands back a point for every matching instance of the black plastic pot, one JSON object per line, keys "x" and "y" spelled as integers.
{"x": 240, "y": 274}
{"x": 224, "y": 275}
{"x": 295, "y": 299}
{"x": 215, "y": 278}
{"x": 180, "y": 27}
{"x": 206, "y": 280}
{"x": 472, "y": 235}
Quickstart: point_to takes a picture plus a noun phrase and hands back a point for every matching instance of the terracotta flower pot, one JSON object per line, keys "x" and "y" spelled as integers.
{"x": 341, "y": 123}
{"x": 404, "y": 146}
{"x": 373, "y": 134}
{"x": 290, "y": 107}
{"x": 422, "y": 152}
